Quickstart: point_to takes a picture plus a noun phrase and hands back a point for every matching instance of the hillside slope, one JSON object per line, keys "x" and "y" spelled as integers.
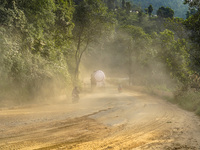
{"x": 177, "y": 5}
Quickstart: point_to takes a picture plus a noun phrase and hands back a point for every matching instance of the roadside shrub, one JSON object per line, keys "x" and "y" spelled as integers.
{"x": 28, "y": 76}
{"x": 198, "y": 111}
{"x": 189, "y": 100}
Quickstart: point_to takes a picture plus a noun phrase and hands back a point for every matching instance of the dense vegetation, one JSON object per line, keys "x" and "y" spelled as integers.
{"x": 177, "y": 5}
{"x": 44, "y": 43}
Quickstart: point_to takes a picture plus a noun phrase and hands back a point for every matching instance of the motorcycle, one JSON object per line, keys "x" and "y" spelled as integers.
{"x": 75, "y": 95}
{"x": 119, "y": 89}
{"x": 75, "y": 98}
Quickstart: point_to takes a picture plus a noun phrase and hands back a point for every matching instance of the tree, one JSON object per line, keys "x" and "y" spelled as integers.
{"x": 177, "y": 5}
{"x": 191, "y": 12}
{"x": 146, "y": 10}
{"x": 193, "y": 25}
{"x": 150, "y": 10}
{"x": 35, "y": 35}
{"x": 63, "y": 24}
{"x": 123, "y": 4}
{"x": 165, "y": 12}
{"x": 111, "y": 4}
{"x": 193, "y": 3}
{"x": 176, "y": 25}
{"x": 173, "y": 54}
{"x": 91, "y": 18}
{"x": 140, "y": 16}
{"x": 128, "y": 7}
{"x": 136, "y": 43}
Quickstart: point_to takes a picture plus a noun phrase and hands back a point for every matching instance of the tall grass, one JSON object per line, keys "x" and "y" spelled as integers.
{"x": 189, "y": 100}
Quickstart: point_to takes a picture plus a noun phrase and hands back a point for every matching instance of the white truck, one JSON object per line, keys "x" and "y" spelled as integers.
{"x": 98, "y": 79}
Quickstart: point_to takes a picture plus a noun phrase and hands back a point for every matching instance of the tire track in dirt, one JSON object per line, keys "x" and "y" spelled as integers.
{"x": 155, "y": 134}
{"x": 150, "y": 123}
{"x": 123, "y": 138}
{"x": 73, "y": 130}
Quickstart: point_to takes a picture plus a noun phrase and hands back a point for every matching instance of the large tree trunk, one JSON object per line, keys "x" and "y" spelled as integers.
{"x": 78, "y": 57}
{"x": 130, "y": 66}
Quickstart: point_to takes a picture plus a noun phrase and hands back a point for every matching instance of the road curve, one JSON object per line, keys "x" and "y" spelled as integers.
{"x": 101, "y": 120}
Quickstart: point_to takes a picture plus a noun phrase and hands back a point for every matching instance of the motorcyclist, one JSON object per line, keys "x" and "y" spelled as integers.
{"x": 75, "y": 93}
{"x": 119, "y": 88}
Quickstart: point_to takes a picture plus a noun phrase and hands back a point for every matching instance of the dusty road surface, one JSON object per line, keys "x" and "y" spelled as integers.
{"x": 101, "y": 120}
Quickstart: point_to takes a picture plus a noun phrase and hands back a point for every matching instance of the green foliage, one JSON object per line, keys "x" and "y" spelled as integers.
{"x": 128, "y": 7}
{"x": 124, "y": 19}
{"x": 91, "y": 19}
{"x": 32, "y": 48}
{"x": 193, "y": 3}
{"x": 191, "y": 12}
{"x": 198, "y": 111}
{"x": 193, "y": 25}
{"x": 123, "y": 4}
{"x": 111, "y": 4}
{"x": 177, "y": 27}
{"x": 42, "y": 43}
{"x": 63, "y": 24}
{"x": 165, "y": 12}
{"x": 173, "y": 54}
{"x": 189, "y": 100}
{"x": 150, "y": 10}
{"x": 177, "y": 5}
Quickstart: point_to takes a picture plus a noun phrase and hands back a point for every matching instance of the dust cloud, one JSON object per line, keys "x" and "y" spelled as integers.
{"x": 135, "y": 68}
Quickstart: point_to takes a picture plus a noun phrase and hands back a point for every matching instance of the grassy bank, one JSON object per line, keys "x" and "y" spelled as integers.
{"x": 188, "y": 100}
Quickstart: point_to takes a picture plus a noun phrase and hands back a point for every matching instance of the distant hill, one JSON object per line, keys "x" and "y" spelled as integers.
{"x": 177, "y": 5}
{"x": 179, "y": 8}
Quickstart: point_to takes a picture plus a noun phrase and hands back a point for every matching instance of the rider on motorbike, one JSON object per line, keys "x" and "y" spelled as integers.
{"x": 119, "y": 88}
{"x": 75, "y": 94}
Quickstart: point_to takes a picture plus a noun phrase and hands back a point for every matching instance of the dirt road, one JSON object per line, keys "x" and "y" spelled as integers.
{"x": 101, "y": 120}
